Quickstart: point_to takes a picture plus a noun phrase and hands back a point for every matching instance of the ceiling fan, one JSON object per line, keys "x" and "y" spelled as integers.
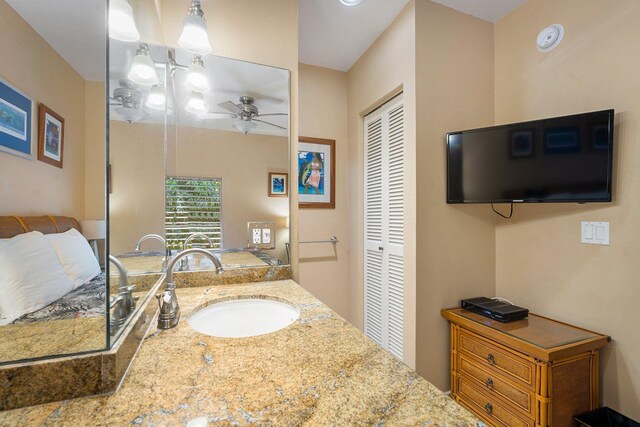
{"x": 246, "y": 113}
{"x": 129, "y": 102}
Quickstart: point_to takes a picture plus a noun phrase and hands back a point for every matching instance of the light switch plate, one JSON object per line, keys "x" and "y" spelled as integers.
{"x": 261, "y": 234}
{"x": 595, "y": 233}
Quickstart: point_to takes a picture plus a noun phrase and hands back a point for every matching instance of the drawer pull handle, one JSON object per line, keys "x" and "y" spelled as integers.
{"x": 491, "y": 359}
{"x": 489, "y": 383}
{"x": 489, "y": 408}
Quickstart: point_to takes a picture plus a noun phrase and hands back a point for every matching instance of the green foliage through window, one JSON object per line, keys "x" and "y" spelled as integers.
{"x": 193, "y": 205}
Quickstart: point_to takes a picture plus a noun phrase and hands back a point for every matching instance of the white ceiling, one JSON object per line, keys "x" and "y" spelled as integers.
{"x": 75, "y": 29}
{"x": 334, "y": 36}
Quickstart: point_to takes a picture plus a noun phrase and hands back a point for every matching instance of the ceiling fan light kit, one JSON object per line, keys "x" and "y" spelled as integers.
{"x": 194, "y": 37}
{"x": 244, "y": 126}
{"x": 121, "y": 24}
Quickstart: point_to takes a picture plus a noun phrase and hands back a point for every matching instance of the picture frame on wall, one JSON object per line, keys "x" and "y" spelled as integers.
{"x": 278, "y": 184}
{"x": 15, "y": 121}
{"x": 50, "y": 136}
{"x": 316, "y": 180}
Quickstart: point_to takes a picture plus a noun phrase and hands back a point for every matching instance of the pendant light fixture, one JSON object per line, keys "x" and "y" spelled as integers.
{"x": 142, "y": 69}
{"x": 156, "y": 98}
{"x": 196, "y": 77}
{"x": 121, "y": 23}
{"x": 195, "y": 103}
{"x": 194, "y": 37}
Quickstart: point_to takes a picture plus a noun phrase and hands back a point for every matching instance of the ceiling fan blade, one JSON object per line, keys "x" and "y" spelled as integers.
{"x": 230, "y": 106}
{"x": 271, "y": 124}
{"x": 217, "y": 115}
{"x": 272, "y": 114}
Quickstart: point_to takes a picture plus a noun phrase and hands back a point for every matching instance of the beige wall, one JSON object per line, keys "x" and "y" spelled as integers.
{"x": 32, "y": 187}
{"x": 243, "y": 162}
{"x": 455, "y": 244}
{"x": 384, "y": 70}
{"x": 324, "y": 268}
{"x": 540, "y": 262}
{"x": 95, "y": 152}
{"x": 136, "y": 202}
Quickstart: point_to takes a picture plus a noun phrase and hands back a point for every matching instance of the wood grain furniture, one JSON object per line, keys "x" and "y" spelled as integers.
{"x": 11, "y": 226}
{"x": 534, "y": 372}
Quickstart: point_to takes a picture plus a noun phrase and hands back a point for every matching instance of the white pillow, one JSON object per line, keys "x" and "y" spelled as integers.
{"x": 31, "y": 276}
{"x": 76, "y": 256}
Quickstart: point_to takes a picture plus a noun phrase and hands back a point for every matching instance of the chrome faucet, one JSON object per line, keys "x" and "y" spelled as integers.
{"x": 184, "y": 264}
{"x": 168, "y": 302}
{"x": 124, "y": 303}
{"x": 147, "y": 237}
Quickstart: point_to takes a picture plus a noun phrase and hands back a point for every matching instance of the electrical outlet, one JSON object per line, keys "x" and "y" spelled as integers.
{"x": 256, "y": 236}
{"x": 266, "y": 235}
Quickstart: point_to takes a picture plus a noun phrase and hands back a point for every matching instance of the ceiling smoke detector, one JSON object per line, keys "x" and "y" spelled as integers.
{"x": 550, "y": 37}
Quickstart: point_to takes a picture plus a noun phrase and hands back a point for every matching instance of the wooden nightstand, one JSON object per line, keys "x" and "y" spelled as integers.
{"x": 534, "y": 372}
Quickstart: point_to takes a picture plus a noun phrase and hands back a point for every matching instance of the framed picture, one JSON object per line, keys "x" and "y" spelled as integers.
{"x": 15, "y": 121}
{"x": 278, "y": 184}
{"x": 50, "y": 136}
{"x": 316, "y": 173}
{"x": 521, "y": 144}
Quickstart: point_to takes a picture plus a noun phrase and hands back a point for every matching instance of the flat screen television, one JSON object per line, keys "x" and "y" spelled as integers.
{"x": 562, "y": 159}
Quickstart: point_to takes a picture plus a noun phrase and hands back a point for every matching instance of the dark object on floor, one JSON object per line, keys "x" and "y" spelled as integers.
{"x": 604, "y": 417}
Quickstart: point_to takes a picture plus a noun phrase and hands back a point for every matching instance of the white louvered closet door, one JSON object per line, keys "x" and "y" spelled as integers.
{"x": 384, "y": 226}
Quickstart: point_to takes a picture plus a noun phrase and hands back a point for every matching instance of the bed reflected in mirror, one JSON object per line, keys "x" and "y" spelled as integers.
{"x": 53, "y": 290}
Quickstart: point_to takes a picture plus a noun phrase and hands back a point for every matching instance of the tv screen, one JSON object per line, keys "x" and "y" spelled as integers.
{"x": 562, "y": 159}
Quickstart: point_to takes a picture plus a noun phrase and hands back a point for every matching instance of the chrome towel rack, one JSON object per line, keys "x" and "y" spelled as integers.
{"x": 333, "y": 240}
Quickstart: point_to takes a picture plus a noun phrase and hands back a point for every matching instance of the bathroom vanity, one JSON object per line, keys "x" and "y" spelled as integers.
{"x": 320, "y": 370}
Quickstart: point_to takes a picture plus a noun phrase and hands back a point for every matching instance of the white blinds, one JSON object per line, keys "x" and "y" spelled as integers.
{"x": 193, "y": 205}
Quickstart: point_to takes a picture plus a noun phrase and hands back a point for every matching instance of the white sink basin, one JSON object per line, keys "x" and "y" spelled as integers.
{"x": 243, "y": 318}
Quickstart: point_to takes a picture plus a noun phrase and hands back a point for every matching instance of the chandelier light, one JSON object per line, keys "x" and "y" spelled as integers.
{"x": 143, "y": 70}
{"x": 194, "y": 37}
{"x": 121, "y": 24}
{"x": 196, "y": 77}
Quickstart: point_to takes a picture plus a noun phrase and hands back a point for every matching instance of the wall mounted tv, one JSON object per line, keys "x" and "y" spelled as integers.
{"x": 562, "y": 159}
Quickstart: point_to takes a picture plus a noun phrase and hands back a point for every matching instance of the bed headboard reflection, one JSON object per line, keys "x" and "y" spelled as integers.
{"x": 46, "y": 224}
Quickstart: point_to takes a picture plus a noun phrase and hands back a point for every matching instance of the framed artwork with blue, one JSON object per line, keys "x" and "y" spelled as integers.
{"x": 278, "y": 184}
{"x": 316, "y": 173}
{"x": 15, "y": 121}
{"x": 50, "y": 136}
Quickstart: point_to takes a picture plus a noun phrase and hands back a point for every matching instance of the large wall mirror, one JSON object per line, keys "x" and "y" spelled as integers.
{"x": 53, "y": 288}
{"x": 206, "y": 142}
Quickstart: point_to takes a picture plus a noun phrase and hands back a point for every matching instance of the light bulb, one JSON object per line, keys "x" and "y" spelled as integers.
{"x": 245, "y": 126}
{"x": 194, "y": 37}
{"x": 196, "y": 77}
{"x": 195, "y": 104}
{"x": 157, "y": 98}
{"x": 121, "y": 23}
{"x": 142, "y": 69}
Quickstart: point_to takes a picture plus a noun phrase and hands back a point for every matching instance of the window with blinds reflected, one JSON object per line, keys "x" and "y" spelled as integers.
{"x": 193, "y": 205}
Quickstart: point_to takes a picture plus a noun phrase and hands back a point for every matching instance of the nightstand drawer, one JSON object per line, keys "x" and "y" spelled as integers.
{"x": 494, "y": 384}
{"x": 497, "y": 359}
{"x": 491, "y": 408}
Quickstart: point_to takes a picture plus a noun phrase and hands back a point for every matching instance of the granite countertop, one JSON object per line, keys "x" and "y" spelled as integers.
{"x": 318, "y": 371}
